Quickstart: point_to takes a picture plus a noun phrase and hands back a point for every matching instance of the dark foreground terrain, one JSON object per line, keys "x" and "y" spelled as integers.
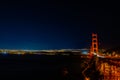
{"x": 43, "y": 67}
{"x": 40, "y": 67}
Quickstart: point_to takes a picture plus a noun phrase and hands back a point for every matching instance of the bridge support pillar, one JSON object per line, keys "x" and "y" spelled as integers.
{"x": 94, "y": 47}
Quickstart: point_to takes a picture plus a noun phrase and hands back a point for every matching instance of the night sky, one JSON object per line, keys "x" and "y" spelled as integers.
{"x": 56, "y": 24}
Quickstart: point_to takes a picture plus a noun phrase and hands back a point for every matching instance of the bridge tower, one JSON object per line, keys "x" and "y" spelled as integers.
{"x": 94, "y": 46}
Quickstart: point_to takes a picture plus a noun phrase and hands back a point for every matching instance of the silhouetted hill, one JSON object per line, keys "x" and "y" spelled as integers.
{"x": 43, "y": 67}
{"x": 38, "y": 67}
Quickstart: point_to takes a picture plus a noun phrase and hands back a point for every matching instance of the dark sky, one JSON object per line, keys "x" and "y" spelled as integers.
{"x": 56, "y": 24}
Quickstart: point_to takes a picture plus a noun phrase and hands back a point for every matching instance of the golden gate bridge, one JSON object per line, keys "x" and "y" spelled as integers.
{"x": 108, "y": 66}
